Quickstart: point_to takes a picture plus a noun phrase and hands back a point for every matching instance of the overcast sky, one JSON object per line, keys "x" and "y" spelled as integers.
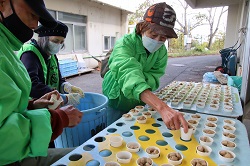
{"x": 202, "y": 30}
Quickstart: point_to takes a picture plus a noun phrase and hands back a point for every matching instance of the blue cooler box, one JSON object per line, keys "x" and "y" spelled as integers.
{"x": 94, "y": 107}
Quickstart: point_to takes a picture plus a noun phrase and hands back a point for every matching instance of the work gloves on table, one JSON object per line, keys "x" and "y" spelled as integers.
{"x": 73, "y": 94}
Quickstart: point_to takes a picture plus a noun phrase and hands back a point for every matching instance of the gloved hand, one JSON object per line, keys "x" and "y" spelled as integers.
{"x": 68, "y": 88}
{"x": 73, "y": 99}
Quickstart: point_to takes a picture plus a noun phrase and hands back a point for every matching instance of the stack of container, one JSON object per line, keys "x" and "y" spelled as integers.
{"x": 68, "y": 67}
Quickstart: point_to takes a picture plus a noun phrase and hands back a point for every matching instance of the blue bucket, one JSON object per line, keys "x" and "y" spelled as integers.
{"x": 94, "y": 120}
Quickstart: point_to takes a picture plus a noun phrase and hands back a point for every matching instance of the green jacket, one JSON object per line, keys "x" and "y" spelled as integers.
{"x": 23, "y": 132}
{"x": 132, "y": 71}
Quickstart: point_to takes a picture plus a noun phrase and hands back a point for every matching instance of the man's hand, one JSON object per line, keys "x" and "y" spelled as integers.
{"x": 44, "y": 101}
{"x": 73, "y": 114}
{"x": 173, "y": 119}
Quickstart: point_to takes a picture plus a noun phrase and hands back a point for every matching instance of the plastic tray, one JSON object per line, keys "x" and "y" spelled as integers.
{"x": 97, "y": 150}
{"x": 237, "y": 107}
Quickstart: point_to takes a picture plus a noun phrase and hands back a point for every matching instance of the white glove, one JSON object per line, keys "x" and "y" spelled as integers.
{"x": 68, "y": 88}
{"x": 73, "y": 99}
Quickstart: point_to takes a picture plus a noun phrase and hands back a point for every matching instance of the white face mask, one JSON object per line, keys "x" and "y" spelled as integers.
{"x": 150, "y": 44}
{"x": 54, "y": 47}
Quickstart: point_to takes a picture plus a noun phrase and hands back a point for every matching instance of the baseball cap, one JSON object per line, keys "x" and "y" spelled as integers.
{"x": 60, "y": 30}
{"x": 162, "y": 18}
{"x": 39, "y": 8}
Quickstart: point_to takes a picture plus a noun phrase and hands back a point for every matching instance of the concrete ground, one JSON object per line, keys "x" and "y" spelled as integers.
{"x": 178, "y": 69}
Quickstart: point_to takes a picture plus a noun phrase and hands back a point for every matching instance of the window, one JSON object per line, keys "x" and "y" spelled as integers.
{"x": 76, "y": 39}
{"x": 109, "y": 42}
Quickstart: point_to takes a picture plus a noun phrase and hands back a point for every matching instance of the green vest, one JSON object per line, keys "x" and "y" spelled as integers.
{"x": 50, "y": 71}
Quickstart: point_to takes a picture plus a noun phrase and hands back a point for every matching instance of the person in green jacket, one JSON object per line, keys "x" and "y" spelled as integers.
{"x": 27, "y": 127}
{"x": 39, "y": 58}
{"x": 137, "y": 62}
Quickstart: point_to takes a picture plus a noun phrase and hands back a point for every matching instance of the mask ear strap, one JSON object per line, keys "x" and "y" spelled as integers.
{"x": 12, "y": 7}
{"x": 1, "y": 14}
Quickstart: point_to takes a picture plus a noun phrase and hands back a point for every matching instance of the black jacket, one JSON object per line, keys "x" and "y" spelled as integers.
{"x": 35, "y": 70}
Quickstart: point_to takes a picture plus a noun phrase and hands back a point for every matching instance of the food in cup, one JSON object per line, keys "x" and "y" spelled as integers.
{"x": 144, "y": 161}
{"x": 199, "y": 162}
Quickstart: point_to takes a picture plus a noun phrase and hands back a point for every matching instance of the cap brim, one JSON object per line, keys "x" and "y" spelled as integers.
{"x": 169, "y": 32}
{"x": 44, "y": 16}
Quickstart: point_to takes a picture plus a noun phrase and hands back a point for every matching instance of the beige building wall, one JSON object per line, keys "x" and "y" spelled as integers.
{"x": 102, "y": 20}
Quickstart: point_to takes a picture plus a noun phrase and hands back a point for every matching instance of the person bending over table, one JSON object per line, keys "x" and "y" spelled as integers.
{"x": 137, "y": 62}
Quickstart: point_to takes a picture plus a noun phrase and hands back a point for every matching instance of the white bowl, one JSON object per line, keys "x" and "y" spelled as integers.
{"x": 112, "y": 163}
{"x": 198, "y": 159}
{"x": 134, "y": 112}
{"x": 147, "y": 114}
{"x": 215, "y": 102}
{"x": 228, "y": 104}
{"x": 214, "y": 107}
{"x": 200, "y": 105}
{"x": 228, "y": 137}
{"x": 187, "y": 104}
{"x": 167, "y": 165}
{"x": 212, "y": 119}
{"x": 152, "y": 111}
{"x": 187, "y": 136}
{"x": 175, "y": 102}
{"x": 208, "y": 134}
{"x": 196, "y": 117}
{"x": 153, "y": 151}
{"x": 140, "y": 120}
{"x": 209, "y": 150}
{"x": 225, "y": 159}
{"x": 123, "y": 157}
{"x": 178, "y": 162}
{"x": 140, "y": 108}
{"x": 227, "y": 147}
{"x": 211, "y": 140}
{"x": 127, "y": 117}
{"x": 143, "y": 161}
{"x": 229, "y": 122}
{"x": 116, "y": 141}
{"x": 228, "y": 108}
{"x": 57, "y": 103}
{"x": 193, "y": 122}
{"x": 210, "y": 127}
{"x": 229, "y": 129}
{"x": 133, "y": 146}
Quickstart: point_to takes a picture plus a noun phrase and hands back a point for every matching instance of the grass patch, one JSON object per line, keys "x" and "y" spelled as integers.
{"x": 183, "y": 53}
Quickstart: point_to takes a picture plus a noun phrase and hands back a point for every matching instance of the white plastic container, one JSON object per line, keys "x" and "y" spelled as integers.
{"x": 153, "y": 152}
{"x": 209, "y": 150}
{"x": 226, "y": 159}
{"x": 178, "y": 162}
{"x": 133, "y": 147}
{"x": 207, "y": 143}
{"x": 116, "y": 141}
{"x": 144, "y": 161}
{"x": 187, "y": 136}
{"x": 123, "y": 157}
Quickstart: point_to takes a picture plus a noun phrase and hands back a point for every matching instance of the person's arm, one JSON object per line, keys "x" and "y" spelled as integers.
{"x": 127, "y": 70}
{"x": 34, "y": 68}
{"x": 173, "y": 119}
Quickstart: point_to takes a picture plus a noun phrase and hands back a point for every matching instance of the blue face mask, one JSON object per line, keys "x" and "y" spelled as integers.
{"x": 54, "y": 48}
{"x": 150, "y": 44}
